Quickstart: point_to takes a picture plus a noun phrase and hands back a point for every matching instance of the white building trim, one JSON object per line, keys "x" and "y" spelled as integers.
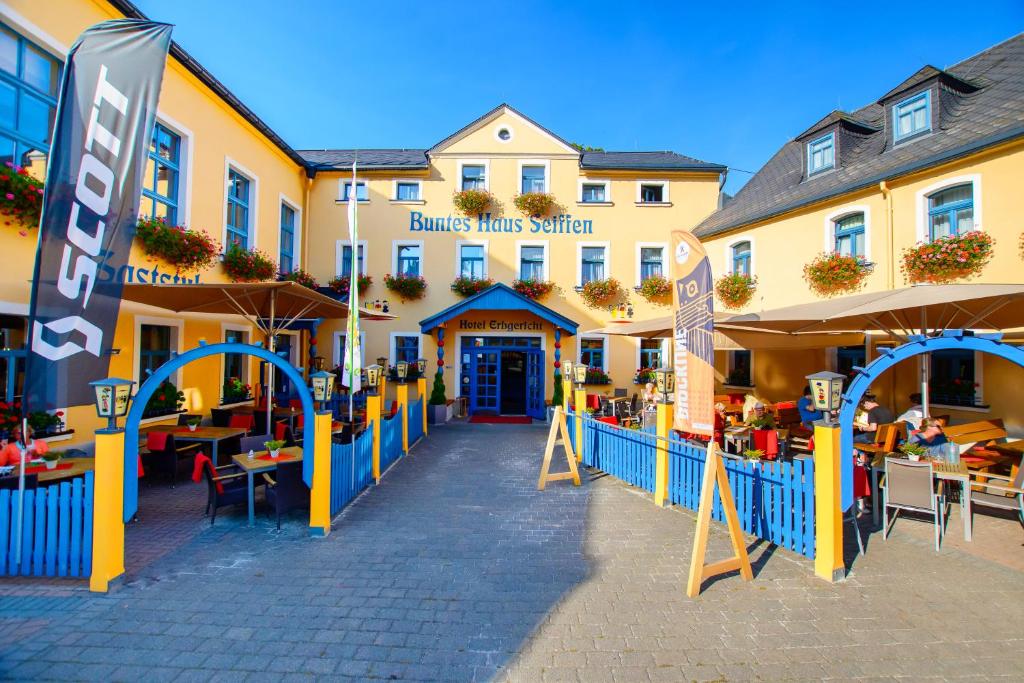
{"x": 830, "y": 228}
{"x": 33, "y": 31}
{"x": 594, "y": 181}
{"x": 177, "y": 326}
{"x": 546, "y": 163}
{"x": 392, "y": 355}
{"x": 407, "y": 181}
{"x": 532, "y": 243}
{"x": 185, "y": 166}
{"x": 921, "y": 202}
{"x": 297, "y": 239}
{"x": 665, "y": 198}
{"x": 486, "y": 163}
{"x": 650, "y": 245}
{"x": 395, "y": 244}
{"x": 247, "y": 362}
{"x": 579, "y": 259}
{"x": 254, "y": 203}
{"x": 753, "y": 254}
{"x": 604, "y": 343}
{"x": 342, "y": 181}
{"x": 459, "y": 244}
{"x": 336, "y": 350}
{"x": 339, "y": 254}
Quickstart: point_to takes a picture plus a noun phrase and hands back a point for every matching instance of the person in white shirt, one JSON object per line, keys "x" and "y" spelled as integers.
{"x": 914, "y": 414}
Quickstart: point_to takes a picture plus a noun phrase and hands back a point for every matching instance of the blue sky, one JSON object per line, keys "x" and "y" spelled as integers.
{"x": 728, "y": 83}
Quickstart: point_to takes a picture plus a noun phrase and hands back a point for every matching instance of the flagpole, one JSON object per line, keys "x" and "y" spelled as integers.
{"x": 353, "y": 310}
{"x": 21, "y": 495}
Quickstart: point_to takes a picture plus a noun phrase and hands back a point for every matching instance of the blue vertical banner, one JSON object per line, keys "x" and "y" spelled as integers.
{"x": 105, "y": 114}
{"x": 693, "y": 336}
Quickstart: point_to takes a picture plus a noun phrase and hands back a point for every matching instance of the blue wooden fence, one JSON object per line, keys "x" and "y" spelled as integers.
{"x": 570, "y": 422}
{"x": 624, "y": 453}
{"x": 348, "y": 476}
{"x": 774, "y": 500}
{"x": 56, "y": 530}
{"x": 415, "y": 421}
{"x": 391, "y": 440}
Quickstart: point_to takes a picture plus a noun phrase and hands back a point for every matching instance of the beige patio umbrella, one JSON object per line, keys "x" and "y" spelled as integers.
{"x": 269, "y": 306}
{"x": 733, "y": 337}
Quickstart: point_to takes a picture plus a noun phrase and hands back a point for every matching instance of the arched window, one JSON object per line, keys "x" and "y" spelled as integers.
{"x": 849, "y": 235}
{"x": 951, "y": 211}
{"x": 741, "y": 258}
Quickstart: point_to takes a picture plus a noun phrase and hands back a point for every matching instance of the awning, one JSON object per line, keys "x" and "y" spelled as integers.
{"x": 499, "y": 297}
{"x": 734, "y": 338}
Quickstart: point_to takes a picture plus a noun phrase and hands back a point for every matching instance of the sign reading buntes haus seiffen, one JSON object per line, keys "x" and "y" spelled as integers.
{"x": 562, "y": 224}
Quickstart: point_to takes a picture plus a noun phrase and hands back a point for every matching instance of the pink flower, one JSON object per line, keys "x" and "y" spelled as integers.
{"x": 9, "y": 196}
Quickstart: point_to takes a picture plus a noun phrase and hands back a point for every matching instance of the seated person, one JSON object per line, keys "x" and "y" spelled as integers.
{"x": 930, "y": 437}
{"x": 720, "y": 422}
{"x": 914, "y": 414}
{"x": 11, "y": 452}
{"x": 874, "y": 415}
{"x": 808, "y": 414}
{"x": 759, "y": 413}
{"x": 648, "y": 395}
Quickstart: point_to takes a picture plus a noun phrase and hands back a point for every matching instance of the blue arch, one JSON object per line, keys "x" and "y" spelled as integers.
{"x": 950, "y": 339}
{"x": 149, "y": 387}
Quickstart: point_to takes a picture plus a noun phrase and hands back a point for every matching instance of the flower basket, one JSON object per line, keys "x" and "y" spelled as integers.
{"x": 300, "y": 276}
{"x": 946, "y": 259}
{"x": 21, "y": 196}
{"x": 655, "y": 288}
{"x": 467, "y": 286}
{"x": 44, "y": 423}
{"x": 472, "y": 202}
{"x": 165, "y": 401}
{"x": 597, "y": 293}
{"x": 243, "y": 265}
{"x": 735, "y": 290}
{"x": 186, "y": 250}
{"x": 408, "y": 287}
{"x": 533, "y": 289}
{"x": 534, "y": 203}
{"x": 644, "y": 375}
{"x": 10, "y": 415}
{"x": 597, "y": 376}
{"x": 236, "y": 391}
{"x": 341, "y": 284}
{"x": 829, "y": 274}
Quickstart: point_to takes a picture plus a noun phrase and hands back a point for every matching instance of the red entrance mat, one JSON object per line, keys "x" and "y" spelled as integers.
{"x": 42, "y": 468}
{"x": 501, "y": 419}
{"x": 282, "y": 456}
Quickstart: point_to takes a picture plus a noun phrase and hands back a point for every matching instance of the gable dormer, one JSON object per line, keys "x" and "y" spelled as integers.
{"x": 830, "y": 141}
{"x": 914, "y": 108}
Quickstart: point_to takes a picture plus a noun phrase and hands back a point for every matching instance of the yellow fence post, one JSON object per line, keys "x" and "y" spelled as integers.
{"x": 373, "y": 417}
{"x": 402, "y": 394}
{"x": 828, "y": 515}
{"x": 581, "y": 411}
{"x": 421, "y": 389}
{"x": 664, "y": 424}
{"x": 108, "y": 510}
{"x": 320, "y": 496}
{"x": 566, "y": 393}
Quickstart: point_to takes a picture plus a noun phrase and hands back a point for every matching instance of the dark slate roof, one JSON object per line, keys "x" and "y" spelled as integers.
{"x": 989, "y": 112}
{"x": 837, "y": 116}
{"x": 368, "y": 159}
{"x": 646, "y": 161}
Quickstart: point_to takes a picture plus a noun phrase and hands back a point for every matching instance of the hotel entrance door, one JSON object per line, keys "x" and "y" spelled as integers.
{"x": 503, "y": 375}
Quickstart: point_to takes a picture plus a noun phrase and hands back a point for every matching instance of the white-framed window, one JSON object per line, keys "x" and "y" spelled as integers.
{"x": 156, "y": 338}
{"x": 956, "y": 378}
{"x": 593, "y": 260}
{"x": 848, "y": 231}
{"x": 290, "y": 240}
{"x": 532, "y": 260}
{"x": 652, "y": 354}
{"x": 474, "y": 174}
{"x": 739, "y": 256}
{"x": 407, "y": 257}
{"x": 740, "y": 368}
{"x": 651, "y": 260}
{"x": 234, "y": 365}
{"x": 167, "y": 180}
{"x": 405, "y": 346}
{"x": 241, "y": 205}
{"x": 345, "y": 188}
{"x": 592, "y": 350}
{"x": 821, "y": 154}
{"x": 343, "y": 257}
{"x": 593, "y": 191}
{"x": 471, "y": 259}
{"x": 504, "y": 134}
{"x": 652, "y": 192}
{"x": 912, "y": 117}
{"x": 407, "y": 190}
{"x": 534, "y": 175}
{"x": 338, "y": 349}
{"x": 949, "y": 206}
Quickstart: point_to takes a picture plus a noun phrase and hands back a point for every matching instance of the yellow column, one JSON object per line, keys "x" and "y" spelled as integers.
{"x": 664, "y": 424}
{"x": 421, "y": 389}
{"x": 373, "y": 416}
{"x": 402, "y": 396}
{"x": 828, "y": 515}
{"x": 566, "y": 392}
{"x": 581, "y": 404}
{"x": 320, "y": 496}
{"x": 108, "y": 511}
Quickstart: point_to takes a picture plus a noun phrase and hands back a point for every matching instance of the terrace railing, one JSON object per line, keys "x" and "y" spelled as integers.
{"x": 415, "y": 421}
{"x": 623, "y": 453}
{"x": 391, "y": 440}
{"x": 349, "y": 477}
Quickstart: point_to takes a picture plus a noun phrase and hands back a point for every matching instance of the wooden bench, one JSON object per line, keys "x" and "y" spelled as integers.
{"x": 982, "y": 432}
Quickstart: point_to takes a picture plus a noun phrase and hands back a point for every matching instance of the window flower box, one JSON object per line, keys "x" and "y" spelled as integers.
{"x": 21, "y": 196}
{"x": 300, "y": 276}
{"x": 829, "y": 274}
{"x": 244, "y": 265}
{"x": 408, "y": 287}
{"x": 655, "y": 288}
{"x": 534, "y": 204}
{"x": 186, "y": 250}
{"x": 946, "y": 259}
{"x": 468, "y": 286}
{"x": 341, "y": 284}
{"x": 598, "y": 293}
{"x": 735, "y": 290}
{"x": 533, "y": 289}
{"x": 472, "y": 202}
{"x": 166, "y": 400}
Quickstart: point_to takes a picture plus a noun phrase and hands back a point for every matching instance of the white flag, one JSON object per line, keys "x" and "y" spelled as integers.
{"x": 352, "y": 369}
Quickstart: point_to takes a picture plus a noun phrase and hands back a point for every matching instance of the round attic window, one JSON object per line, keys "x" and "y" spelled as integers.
{"x": 504, "y": 134}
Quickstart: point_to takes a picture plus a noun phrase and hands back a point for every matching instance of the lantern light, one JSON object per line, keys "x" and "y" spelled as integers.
{"x": 113, "y": 395}
{"x": 402, "y": 370}
{"x": 323, "y": 385}
{"x": 373, "y": 373}
{"x": 318, "y": 363}
{"x": 827, "y": 392}
{"x": 665, "y": 380}
{"x": 567, "y": 369}
{"x": 421, "y": 366}
{"x": 579, "y": 373}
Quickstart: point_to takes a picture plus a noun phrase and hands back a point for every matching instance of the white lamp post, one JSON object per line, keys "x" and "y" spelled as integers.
{"x": 112, "y": 398}
{"x": 827, "y": 392}
{"x": 323, "y": 386}
{"x": 665, "y": 381}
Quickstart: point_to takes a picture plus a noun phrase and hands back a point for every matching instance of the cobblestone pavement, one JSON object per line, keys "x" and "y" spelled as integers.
{"x": 456, "y": 568}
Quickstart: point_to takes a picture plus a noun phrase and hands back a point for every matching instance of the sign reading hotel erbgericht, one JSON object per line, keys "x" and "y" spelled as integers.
{"x": 562, "y": 224}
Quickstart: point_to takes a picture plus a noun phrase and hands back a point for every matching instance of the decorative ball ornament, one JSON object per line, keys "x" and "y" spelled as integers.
{"x": 440, "y": 363}
{"x": 313, "y": 342}
{"x": 558, "y": 364}
{"x": 441, "y": 343}
{"x": 558, "y": 345}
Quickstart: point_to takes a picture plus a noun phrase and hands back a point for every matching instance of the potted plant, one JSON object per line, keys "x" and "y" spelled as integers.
{"x": 833, "y": 273}
{"x": 655, "y": 288}
{"x": 21, "y": 197}
{"x": 597, "y": 293}
{"x": 51, "y": 459}
{"x": 193, "y": 423}
{"x": 597, "y": 376}
{"x": 438, "y": 413}
{"x": 300, "y": 276}
{"x": 235, "y": 391}
{"x": 245, "y": 265}
{"x": 761, "y": 422}
{"x": 949, "y": 258}
{"x": 186, "y": 250}
{"x": 533, "y": 289}
{"x": 534, "y": 203}
{"x": 166, "y": 400}
{"x": 472, "y": 202}
{"x": 44, "y": 423}
{"x": 408, "y": 287}
{"x": 753, "y": 454}
{"x": 341, "y": 283}
{"x": 557, "y": 394}
{"x": 913, "y": 451}
{"x": 274, "y": 447}
{"x": 644, "y": 375}
{"x": 468, "y": 286}
{"x": 735, "y": 290}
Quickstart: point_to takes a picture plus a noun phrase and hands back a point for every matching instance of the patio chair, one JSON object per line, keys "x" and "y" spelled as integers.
{"x": 220, "y": 417}
{"x": 1004, "y": 494}
{"x": 282, "y": 432}
{"x": 10, "y": 482}
{"x": 910, "y": 486}
{"x": 253, "y": 442}
{"x": 620, "y": 393}
{"x": 245, "y": 421}
{"x": 166, "y": 456}
{"x": 285, "y": 490}
{"x": 226, "y": 485}
{"x": 885, "y": 440}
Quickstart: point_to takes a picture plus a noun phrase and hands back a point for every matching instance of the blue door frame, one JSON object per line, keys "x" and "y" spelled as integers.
{"x": 153, "y": 382}
{"x": 485, "y": 365}
{"x": 950, "y": 339}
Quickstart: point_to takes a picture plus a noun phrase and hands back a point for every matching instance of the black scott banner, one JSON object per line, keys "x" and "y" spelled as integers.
{"x": 108, "y": 99}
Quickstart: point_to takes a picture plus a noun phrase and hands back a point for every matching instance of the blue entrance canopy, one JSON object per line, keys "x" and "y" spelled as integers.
{"x": 499, "y": 297}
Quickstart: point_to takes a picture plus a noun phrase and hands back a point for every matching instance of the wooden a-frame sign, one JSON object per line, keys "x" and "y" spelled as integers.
{"x": 558, "y": 426}
{"x": 714, "y": 470}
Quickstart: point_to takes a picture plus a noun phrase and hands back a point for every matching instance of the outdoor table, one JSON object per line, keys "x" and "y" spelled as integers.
{"x": 78, "y": 467}
{"x": 262, "y": 462}
{"x": 210, "y": 435}
{"x": 943, "y": 471}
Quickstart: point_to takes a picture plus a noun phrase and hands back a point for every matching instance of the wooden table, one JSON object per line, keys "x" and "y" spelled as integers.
{"x": 255, "y": 466}
{"x": 79, "y": 466}
{"x": 210, "y": 435}
{"x": 943, "y": 471}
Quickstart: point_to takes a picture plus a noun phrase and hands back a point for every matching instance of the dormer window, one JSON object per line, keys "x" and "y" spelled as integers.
{"x": 821, "y": 154}
{"x": 912, "y": 116}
